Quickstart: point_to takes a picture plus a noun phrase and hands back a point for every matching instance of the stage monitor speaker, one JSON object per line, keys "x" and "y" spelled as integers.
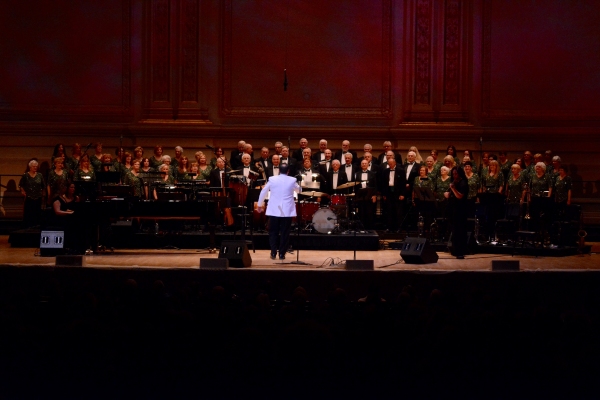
{"x": 52, "y": 243}
{"x": 236, "y": 251}
{"x": 418, "y": 251}
{"x": 69, "y": 261}
{"x": 505, "y": 265}
{"x": 360, "y": 265}
{"x": 214, "y": 263}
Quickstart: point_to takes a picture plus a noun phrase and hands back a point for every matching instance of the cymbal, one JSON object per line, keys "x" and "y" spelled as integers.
{"x": 313, "y": 194}
{"x": 350, "y": 195}
{"x": 347, "y": 185}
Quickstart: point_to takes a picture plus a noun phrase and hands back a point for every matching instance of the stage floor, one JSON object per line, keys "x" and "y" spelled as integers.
{"x": 384, "y": 260}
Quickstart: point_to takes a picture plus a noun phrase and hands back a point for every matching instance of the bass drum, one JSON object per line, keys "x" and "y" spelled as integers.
{"x": 324, "y": 220}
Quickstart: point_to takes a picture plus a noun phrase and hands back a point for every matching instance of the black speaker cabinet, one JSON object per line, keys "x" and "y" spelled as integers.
{"x": 236, "y": 251}
{"x": 418, "y": 251}
{"x": 52, "y": 243}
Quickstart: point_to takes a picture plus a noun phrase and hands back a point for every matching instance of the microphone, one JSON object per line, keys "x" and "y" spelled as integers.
{"x": 209, "y": 147}
{"x": 285, "y": 83}
{"x": 90, "y": 144}
{"x": 481, "y": 140}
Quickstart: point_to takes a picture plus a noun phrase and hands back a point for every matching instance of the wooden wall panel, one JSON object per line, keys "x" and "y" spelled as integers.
{"x": 336, "y": 67}
{"x": 172, "y": 70}
{"x": 541, "y": 62}
{"x": 65, "y": 60}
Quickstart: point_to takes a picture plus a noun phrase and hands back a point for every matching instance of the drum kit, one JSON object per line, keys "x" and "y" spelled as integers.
{"x": 333, "y": 218}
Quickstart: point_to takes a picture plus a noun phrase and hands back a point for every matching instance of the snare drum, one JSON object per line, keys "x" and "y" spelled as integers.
{"x": 337, "y": 200}
{"x": 306, "y": 209}
{"x": 324, "y": 220}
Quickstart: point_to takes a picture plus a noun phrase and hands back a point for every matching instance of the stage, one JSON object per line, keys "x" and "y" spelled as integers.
{"x": 317, "y": 260}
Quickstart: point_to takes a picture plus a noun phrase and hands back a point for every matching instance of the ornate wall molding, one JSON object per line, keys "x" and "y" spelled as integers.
{"x": 189, "y": 50}
{"x": 160, "y": 51}
{"x": 452, "y": 53}
{"x": 423, "y": 39}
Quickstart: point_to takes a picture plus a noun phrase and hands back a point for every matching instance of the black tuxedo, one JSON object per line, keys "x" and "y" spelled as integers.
{"x": 320, "y": 178}
{"x": 353, "y": 170}
{"x": 323, "y": 167}
{"x": 339, "y": 156}
{"x": 392, "y": 205}
{"x": 342, "y": 179}
{"x": 253, "y": 175}
{"x": 292, "y": 163}
{"x": 235, "y": 160}
{"x": 381, "y": 159}
{"x": 269, "y": 170}
{"x": 297, "y": 154}
{"x": 317, "y": 156}
{"x": 366, "y": 207}
{"x": 215, "y": 180}
{"x": 414, "y": 172}
{"x": 374, "y": 162}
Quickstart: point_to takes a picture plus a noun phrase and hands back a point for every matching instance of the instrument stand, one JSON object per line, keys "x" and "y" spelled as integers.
{"x": 298, "y": 262}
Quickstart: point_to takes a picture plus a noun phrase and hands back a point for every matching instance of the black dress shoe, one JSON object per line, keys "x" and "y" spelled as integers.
{"x": 272, "y": 256}
{"x": 282, "y": 257}
{"x": 460, "y": 257}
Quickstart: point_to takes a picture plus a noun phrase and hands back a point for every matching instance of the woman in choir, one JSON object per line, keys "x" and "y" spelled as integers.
{"x": 127, "y": 161}
{"x": 167, "y": 161}
{"x": 493, "y": 181}
{"x": 72, "y": 163}
{"x": 218, "y": 153}
{"x": 183, "y": 168}
{"x": 418, "y": 158}
{"x": 59, "y": 151}
{"x": 85, "y": 172}
{"x": 138, "y": 154}
{"x": 33, "y": 188}
{"x": 194, "y": 173}
{"x": 96, "y": 158}
{"x": 442, "y": 185}
{"x": 451, "y": 151}
{"x": 514, "y": 192}
{"x": 449, "y": 162}
{"x": 473, "y": 182}
{"x": 541, "y": 183}
{"x": 107, "y": 163}
{"x": 134, "y": 180}
{"x": 156, "y": 159}
{"x": 58, "y": 174}
{"x": 556, "y": 164}
{"x": 562, "y": 191}
{"x": 166, "y": 178}
{"x": 432, "y": 171}
{"x": 203, "y": 168}
{"x": 145, "y": 165}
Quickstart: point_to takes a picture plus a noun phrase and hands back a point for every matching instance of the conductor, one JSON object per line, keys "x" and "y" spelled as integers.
{"x": 280, "y": 209}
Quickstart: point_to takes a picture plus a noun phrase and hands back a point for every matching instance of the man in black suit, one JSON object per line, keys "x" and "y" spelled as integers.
{"x": 236, "y": 155}
{"x": 348, "y": 167}
{"x": 219, "y": 176}
{"x": 366, "y": 194}
{"x": 325, "y": 164}
{"x": 311, "y": 178}
{"x": 335, "y": 177}
{"x": 411, "y": 170}
{"x": 369, "y": 157}
{"x": 286, "y": 159}
{"x": 320, "y": 155}
{"x": 297, "y": 154}
{"x": 387, "y": 146}
{"x": 339, "y": 155}
{"x": 392, "y": 186}
{"x": 273, "y": 168}
{"x": 263, "y": 162}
